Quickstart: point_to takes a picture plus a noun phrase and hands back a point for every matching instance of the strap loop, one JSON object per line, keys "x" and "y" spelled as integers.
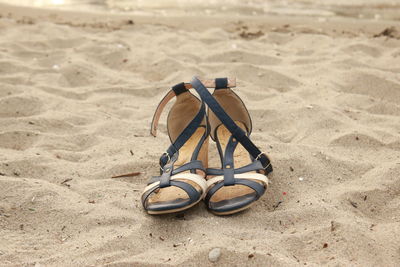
{"x": 221, "y": 83}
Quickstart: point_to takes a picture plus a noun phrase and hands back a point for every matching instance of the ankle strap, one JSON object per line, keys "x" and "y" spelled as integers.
{"x": 235, "y": 130}
{"x": 175, "y": 91}
{"x": 189, "y": 129}
{"x": 184, "y": 87}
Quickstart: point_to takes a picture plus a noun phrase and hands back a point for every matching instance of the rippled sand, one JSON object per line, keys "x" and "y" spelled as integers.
{"x": 77, "y": 93}
{"x": 371, "y": 9}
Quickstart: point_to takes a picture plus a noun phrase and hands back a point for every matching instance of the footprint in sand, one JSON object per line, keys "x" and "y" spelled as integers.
{"x": 356, "y": 140}
{"x": 20, "y": 106}
{"x": 244, "y": 57}
{"x": 381, "y": 201}
{"x": 365, "y": 49}
{"x": 374, "y": 86}
{"x": 265, "y": 78}
{"x": 18, "y": 140}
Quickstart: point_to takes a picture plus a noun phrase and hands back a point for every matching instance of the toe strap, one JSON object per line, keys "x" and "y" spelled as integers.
{"x": 250, "y": 180}
{"x": 250, "y": 176}
{"x": 176, "y": 180}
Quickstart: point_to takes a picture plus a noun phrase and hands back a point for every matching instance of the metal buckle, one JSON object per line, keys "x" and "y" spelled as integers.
{"x": 259, "y": 155}
{"x": 169, "y": 159}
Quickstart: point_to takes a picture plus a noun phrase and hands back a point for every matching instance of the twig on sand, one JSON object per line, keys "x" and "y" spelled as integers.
{"x": 354, "y": 204}
{"x": 127, "y": 175}
{"x": 65, "y": 182}
{"x": 277, "y": 205}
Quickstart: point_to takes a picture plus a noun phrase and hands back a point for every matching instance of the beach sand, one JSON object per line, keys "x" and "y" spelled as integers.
{"x": 77, "y": 94}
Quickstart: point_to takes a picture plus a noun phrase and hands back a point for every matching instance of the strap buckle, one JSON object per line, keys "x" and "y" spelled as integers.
{"x": 259, "y": 155}
{"x": 169, "y": 158}
{"x": 265, "y": 154}
{"x": 162, "y": 164}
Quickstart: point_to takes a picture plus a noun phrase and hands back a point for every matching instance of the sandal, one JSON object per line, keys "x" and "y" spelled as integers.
{"x": 242, "y": 178}
{"x": 181, "y": 183}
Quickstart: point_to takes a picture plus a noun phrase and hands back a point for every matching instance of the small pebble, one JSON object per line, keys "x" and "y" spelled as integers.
{"x": 301, "y": 178}
{"x": 214, "y": 254}
{"x": 56, "y": 67}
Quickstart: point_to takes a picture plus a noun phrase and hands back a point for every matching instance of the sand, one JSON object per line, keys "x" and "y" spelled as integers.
{"x": 77, "y": 94}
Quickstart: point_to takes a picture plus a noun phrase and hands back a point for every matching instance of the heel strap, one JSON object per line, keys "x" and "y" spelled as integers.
{"x": 184, "y": 87}
{"x": 233, "y": 128}
{"x": 175, "y": 91}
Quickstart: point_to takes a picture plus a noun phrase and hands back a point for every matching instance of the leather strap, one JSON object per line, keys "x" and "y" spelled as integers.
{"x": 258, "y": 188}
{"x": 160, "y": 108}
{"x": 221, "y": 83}
{"x": 254, "y": 166}
{"x": 180, "y": 88}
{"x": 235, "y": 130}
{"x": 228, "y": 162}
{"x": 184, "y": 136}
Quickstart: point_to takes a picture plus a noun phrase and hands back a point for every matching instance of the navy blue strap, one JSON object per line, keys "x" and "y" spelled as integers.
{"x": 165, "y": 179}
{"x": 192, "y": 165}
{"x": 187, "y": 132}
{"x": 193, "y": 194}
{"x": 184, "y": 136}
{"x": 169, "y": 170}
{"x": 235, "y": 130}
{"x": 254, "y": 166}
{"x": 166, "y": 172}
{"x": 221, "y": 83}
{"x": 179, "y": 88}
{"x": 257, "y": 187}
{"x": 228, "y": 162}
{"x": 169, "y": 158}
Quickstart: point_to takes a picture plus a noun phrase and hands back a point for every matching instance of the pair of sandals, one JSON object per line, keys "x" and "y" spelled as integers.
{"x": 185, "y": 178}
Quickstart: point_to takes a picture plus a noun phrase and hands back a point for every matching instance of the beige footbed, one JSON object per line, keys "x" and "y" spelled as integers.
{"x": 182, "y": 112}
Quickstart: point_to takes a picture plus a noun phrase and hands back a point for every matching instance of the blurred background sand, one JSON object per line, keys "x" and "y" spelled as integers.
{"x": 79, "y": 81}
